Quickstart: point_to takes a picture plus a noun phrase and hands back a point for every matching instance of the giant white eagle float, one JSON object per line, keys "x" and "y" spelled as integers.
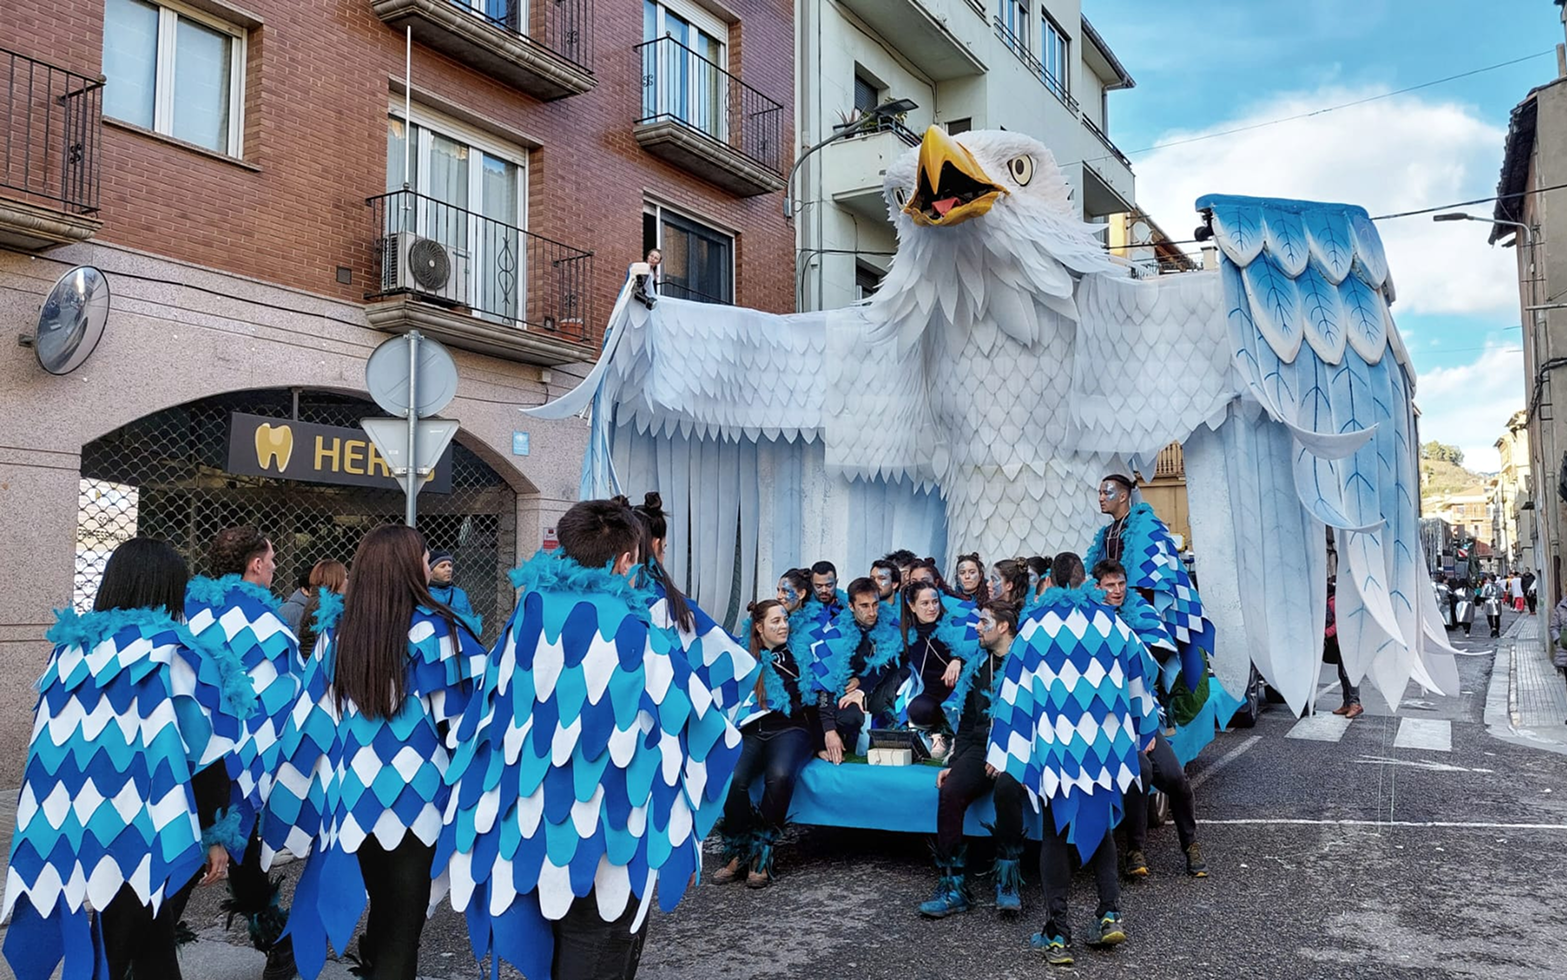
{"x": 1004, "y": 366}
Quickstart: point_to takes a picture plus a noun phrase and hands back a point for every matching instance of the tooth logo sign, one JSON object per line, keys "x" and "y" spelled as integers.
{"x": 274, "y": 446}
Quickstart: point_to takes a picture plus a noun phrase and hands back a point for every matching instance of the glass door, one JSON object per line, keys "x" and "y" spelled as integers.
{"x": 684, "y": 77}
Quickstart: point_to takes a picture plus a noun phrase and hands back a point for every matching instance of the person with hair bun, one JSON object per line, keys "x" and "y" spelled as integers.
{"x": 969, "y": 576}
{"x": 776, "y": 744}
{"x": 724, "y": 666}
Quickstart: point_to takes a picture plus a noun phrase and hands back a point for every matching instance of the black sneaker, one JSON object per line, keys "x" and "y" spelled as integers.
{"x": 1058, "y": 952}
{"x": 1195, "y": 865}
{"x": 280, "y": 961}
{"x": 1112, "y": 931}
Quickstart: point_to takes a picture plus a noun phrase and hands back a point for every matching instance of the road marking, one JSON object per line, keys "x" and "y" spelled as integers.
{"x": 1224, "y": 760}
{"x": 1436, "y": 824}
{"x": 1320, "y": 728}
{"x": 1373, "y": 760}
{"x": 1430, "y": 734}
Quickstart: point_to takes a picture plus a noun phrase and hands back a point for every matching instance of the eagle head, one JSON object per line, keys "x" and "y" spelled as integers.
{"x": 953, "y": 179}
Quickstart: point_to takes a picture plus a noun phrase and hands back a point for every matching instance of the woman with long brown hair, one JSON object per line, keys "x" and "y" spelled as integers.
{"x": 394, "y": 667}
{"x": 775, "y": 746}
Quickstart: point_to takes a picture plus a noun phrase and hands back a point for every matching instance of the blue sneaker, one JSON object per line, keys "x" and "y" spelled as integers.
{"x": 950, "y": 898}
{"x": 1058, "y": 952}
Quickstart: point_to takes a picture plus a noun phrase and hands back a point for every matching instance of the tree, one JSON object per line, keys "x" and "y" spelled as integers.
{"x": 1442, "y": 451}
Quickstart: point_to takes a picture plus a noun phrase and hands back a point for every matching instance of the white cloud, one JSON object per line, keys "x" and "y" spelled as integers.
{"x": 1468, "y": 406}
{"x": 1397, "y": 154}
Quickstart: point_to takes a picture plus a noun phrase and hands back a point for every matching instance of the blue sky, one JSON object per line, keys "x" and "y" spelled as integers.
{"x": 1206, "y": 67}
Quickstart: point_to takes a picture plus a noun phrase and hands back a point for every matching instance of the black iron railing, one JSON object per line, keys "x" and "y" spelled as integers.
{"x": 883, "y": 124}
{"x": 51, "y": 122}
{"x": 679, "y": 85}
{"x": 1019, "y": 47}
{"x": 563, "y": 26}
{"x": 1115, "y": 151}
{"x": 496, "y": 271}
{"x": 677, "y": 288}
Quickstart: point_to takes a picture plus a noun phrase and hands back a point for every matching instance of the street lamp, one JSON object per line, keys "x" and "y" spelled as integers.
{"x": 865, "y": 123}
{"x": 1523, "y": 229}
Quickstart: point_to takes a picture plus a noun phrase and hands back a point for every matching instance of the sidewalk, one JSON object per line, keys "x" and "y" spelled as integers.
{"x": 1527, "y": 702}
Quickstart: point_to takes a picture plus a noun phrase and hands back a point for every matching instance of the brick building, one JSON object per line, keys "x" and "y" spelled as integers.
{"x": 265, "y": 215}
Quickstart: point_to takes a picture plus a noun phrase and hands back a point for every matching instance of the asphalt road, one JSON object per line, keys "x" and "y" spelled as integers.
{"x": 1355, "y": 857}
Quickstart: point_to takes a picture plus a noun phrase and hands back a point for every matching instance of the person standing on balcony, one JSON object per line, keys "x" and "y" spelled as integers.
{"x": 654, "y": 283}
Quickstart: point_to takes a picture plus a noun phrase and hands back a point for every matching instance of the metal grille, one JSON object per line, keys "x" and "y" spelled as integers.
{"x": 163, "y": 476}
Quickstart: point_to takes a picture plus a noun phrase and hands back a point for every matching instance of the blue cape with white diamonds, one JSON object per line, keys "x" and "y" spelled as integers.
{"x": 587, "y": 763}
{"x": 836, "y": 645}
{"x": 244, "y": 618}
{"x": 1152, "y": 562}
{"x": 723, "y": 665}
{"x": 345, "y": 777}
{"x": 131, "y": 706}
{"x": 1072, "y": 711}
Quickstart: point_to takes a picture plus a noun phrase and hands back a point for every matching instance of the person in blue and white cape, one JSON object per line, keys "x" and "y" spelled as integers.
{"x": 360, "y": 790}
{"x": 164, "y": 711}
{"x": 968, "y": 777}
{"x": 1160, "y": 769}
{"x": 238, "y": 609}
{"x": 936, "y": 645}
{"x": 586, "y": 765}
{"x": 725, "y": 667}
{"x": 858, "y": 656}
{"x": 1073, "y": 710}
{"x": 778, "y": 740}
{"x": 826, "y": 600}
{"x": 889, "y": 583}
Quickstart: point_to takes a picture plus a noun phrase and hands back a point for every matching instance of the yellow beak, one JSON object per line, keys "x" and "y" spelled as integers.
{"x": 950, "y": 185}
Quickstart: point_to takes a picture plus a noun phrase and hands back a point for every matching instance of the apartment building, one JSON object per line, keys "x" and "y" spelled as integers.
{"x": 1513, "y": 529}
{"x": 272, "y": 188}
{"x": 1029, "y": 66}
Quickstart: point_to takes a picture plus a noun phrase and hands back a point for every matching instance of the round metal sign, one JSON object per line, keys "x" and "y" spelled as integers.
{"x": 386, "y": 376}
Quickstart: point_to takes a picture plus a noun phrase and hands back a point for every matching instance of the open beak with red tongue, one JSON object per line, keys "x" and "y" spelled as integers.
{"x": 951, "y": 186}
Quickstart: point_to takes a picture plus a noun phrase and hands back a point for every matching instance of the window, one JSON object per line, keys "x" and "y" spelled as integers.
{"x": 1013, "y": 20}
{"x": 174, "y": 71}
{"x": 957, "y": 126}
{"x": 698, "y": 260}
{"x": 1057, "y": 46}
{"x": 867, "y": 279}
{"x": 867, "y": 94}
{"x": 470, "y": 199}
{"x": 684, "y": 77}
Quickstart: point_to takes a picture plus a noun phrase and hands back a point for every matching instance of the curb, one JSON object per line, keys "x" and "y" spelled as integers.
{"x": 1501, "y": 703}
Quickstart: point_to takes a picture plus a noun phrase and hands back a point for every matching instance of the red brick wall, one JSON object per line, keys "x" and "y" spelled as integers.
{"x": 315, "y": 125}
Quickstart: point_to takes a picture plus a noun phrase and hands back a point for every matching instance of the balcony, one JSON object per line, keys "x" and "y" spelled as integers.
{"x": 1019, "y": 46}
{"x": 853, "y": 169}
{"x": 543, "y": 48}
{"x": 708, "y": 122}
{"x": 924, "y": 36}
{"x": 51, "y": 121}
{"x": 479, "y": 284}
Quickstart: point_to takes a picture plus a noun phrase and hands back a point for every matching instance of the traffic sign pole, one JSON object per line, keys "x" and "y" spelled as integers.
{"x": 410, "y": 486}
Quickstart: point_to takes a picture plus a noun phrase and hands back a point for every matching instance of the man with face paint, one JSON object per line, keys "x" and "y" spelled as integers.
{"x": 859, "y": 652}
{"x": 968, "y": 777}
{"x": 825, "y": 601}
{"x": 888, "y": 580}
{"x": 1142, "y": 543}
{"x": 1158, "y": 763}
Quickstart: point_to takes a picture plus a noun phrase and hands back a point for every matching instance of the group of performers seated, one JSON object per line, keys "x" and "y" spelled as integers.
{"x": 552, "y": 784}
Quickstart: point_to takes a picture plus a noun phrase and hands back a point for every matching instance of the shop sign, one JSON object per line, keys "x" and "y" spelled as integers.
{"x": 289, "y": 450}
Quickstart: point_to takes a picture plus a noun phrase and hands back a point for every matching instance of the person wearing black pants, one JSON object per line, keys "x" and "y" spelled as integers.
{"x": 589, "y": 948}
{"x": 775, "y": 746}
{"x": 968, "y": 777}
{"x": 390, "y": 944}
{"x": 1162, "y": 770}
{"x": 1055, "y": 871}
{"x": 928, "y": 653}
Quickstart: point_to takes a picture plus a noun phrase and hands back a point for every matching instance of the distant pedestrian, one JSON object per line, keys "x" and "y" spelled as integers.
{"x": 444, "y": 589}
{"x": 1332, "y": 654}
{"x": 1530, "y": 591}
{"x": 1464, "y": 608}
{"x": 1490, "y": 596}
{"x": 325, "y": 577}
{"x": 1515, "y": 591}
{"x": 292, "y": 611}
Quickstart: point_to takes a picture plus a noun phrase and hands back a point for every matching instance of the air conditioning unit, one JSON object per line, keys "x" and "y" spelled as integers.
{"x": 413, "y": 263}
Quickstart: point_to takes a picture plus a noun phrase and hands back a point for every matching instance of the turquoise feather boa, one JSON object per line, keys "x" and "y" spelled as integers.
{"x": 328, "y": 610}
{"x": 87, "y": 630}
{"x": 886, "y": 648}
{"x": 214, "y": 592}
{"x": 552, "y": 571}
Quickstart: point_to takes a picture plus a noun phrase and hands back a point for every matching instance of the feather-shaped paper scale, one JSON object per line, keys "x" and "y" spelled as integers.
{"x": 1005, "y": 365}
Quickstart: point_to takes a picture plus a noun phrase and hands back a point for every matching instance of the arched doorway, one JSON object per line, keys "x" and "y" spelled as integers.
{"x": 165, "y": 475}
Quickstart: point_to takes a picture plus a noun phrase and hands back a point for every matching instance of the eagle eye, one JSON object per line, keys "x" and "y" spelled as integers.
{"x": 899, "y": 195}
{"x": 1022, "y": 169}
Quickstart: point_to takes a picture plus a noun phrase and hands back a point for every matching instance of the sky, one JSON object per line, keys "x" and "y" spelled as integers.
{"x": 1205, "y": 67}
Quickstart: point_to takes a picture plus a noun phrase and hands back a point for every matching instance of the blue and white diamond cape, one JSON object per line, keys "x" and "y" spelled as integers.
{"x": 591, "y": 761}
{"x": 131, "y": 706}
{"x": 1143, "y": 619}
{"x": 1073, "y": 709}
{"x": 723, "y": 665}
{"x": 344, "y": 777}
{"x": 244, "y": 617}
{"x": 1153, "y": 562}
{"x": 835, "y": 646}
